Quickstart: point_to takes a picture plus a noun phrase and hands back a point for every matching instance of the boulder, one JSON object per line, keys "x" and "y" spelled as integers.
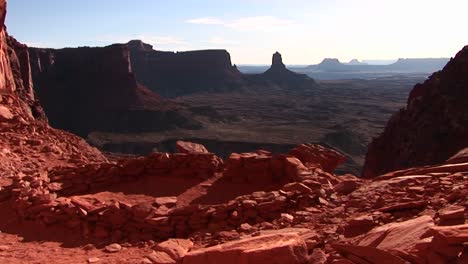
{"x": 190, "y": 147}
{"x": 317, "y": 156}
{"x": 452, "y": 234}
{"x": 285, "y": 248}
{"x": 402, "y": 236}
{"x": 175, "y": 248}
{"x": 159, "y": 257}
{"x": 113, "y": 248}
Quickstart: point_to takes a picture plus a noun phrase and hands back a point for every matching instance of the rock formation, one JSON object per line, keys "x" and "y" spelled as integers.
{"x": 173, "y": 74}
{"x": 433, "y": 126}
{"x": 25, "y": 137}
{"x": 94, "y": 89}
{"x": 277, "y": 62}
{"x": 279, "y": 77}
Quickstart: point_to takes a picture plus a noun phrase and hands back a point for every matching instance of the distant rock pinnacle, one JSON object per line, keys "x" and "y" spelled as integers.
{"x": 277, "y": 61}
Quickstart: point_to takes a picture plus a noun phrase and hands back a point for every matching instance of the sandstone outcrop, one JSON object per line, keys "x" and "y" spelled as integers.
{"x": 279, "y": 77}
{"x": 432, "y": 127}
{"x": 94, "y": 89}
{"x": 173, "y": 74}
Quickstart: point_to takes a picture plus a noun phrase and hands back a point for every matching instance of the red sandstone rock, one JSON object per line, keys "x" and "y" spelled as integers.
{"x": 368, "y": 255}
{"x": 452, "y": 215}
{"x": 403, "y": 236}
{"x": 287, "y": 248}
{"x": 175, "y": 248}
{"x": 262, "y": 168}
{"x": 316, "y": 155}
{"x": 160, "y": 257}
{"x": 359, "y": 225}
{"x": 190, "y": 147}
{"x": 346, "y": 186}
{"x": 404, "y": 206}
{"x": 452, "y": 234}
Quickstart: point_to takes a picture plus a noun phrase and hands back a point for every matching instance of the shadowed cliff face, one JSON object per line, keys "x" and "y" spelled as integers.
{"x": 433, "y": 126}
{"x": 89, "y": 89}
{"x": 173, "y": 74}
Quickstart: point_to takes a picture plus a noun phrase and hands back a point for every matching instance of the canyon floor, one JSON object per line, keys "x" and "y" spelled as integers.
{"x": 343, "y": 114}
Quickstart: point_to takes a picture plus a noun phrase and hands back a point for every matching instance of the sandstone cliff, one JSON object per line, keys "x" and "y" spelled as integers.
{"x": 433, "y": 126}
{"x": 173, "y": 74}
{"x": 94, "y": 89}
{"x": 25, "y": 136}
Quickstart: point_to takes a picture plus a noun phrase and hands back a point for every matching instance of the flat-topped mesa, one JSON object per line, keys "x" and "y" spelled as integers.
{"x": 94, "y": 89}
{"x": 139, "y": 45}
{"x": 172, "y": 74}
{"x": 433, "y": 126}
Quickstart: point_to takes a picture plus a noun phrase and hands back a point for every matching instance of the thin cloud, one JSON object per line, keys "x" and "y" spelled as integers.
{"x": 205, "y": 21}
{"x": 254, "y": 23}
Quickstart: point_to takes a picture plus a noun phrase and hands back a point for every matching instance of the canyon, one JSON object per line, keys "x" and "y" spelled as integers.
{"x": 64, "y": 201}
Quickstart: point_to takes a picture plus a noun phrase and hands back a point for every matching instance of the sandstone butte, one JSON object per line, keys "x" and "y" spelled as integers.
{"x": 62, "y": 201}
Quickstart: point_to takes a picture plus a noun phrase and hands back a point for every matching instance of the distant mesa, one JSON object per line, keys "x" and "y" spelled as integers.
{"x": 356, "y": 62}
{"x": 139, "y": 45}
{"x": 419, "y": 65}
{"x": 173, "y": 74}
{"x": 333, "y": 65}
{"x": 330, "y": 62}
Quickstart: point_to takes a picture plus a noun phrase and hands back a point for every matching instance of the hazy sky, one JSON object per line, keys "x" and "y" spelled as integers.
{"x": 304, "y": 31}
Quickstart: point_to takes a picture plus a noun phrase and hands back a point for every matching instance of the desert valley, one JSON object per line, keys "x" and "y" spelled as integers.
{"x": 128, "y": 154}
